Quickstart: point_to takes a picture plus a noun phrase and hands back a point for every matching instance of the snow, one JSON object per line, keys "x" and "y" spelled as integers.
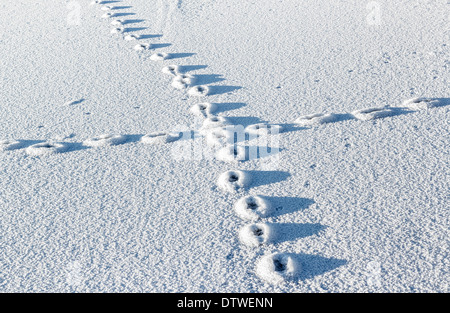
{"x": 255, "y": 235}
{"x": 183, "y": 81}
{"x": 233, "y": 181}
{"x": 277, "y": 268}
{"x": 231, "y": 153}
{"x": 199, "y": 91}
{"x": 421, "y": 103}
{"x": 204, "y": 109}
{"x": 361, "y": 205}
{"x": 263, "y": 129}
{"x": 315, "y": 119}
{"x": 173, "y": 70}
{"x": 45, "y": 148}
{"x": 159, "y": 56}
{"x": 105, "y": 140}
{"x": 373, "y": 113}
{"x": 159, "y": 138}
{"x": 219, "y": 137}
{"x": 252, "y": 208}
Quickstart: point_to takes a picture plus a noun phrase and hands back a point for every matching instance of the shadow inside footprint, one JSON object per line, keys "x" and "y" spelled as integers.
{"x": 287, "y": 205}
{"x": 261, "y": 178}
{"x": 292, "y": 231}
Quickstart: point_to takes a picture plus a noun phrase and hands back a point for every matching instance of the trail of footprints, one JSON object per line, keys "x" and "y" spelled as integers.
{"x": 220, "y": 133}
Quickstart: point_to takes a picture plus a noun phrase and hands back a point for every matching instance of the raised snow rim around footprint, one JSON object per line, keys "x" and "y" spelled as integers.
{"x": 253, "y": 208}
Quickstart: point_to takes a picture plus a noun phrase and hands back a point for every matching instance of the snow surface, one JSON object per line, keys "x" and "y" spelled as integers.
{"x": 358, "y": 204}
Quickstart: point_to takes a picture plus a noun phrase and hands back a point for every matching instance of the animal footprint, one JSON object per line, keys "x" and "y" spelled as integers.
{"x": 263, "y": 129}
{"x": 252, "y": 208}
{"x": 45, "y": 148}
{"x": 105, "y": 140}
{"x": 231, "y": 153}
{"x": 277, "y": 268}
{"x": 373, "y": 113}
{"x": 183, "y": 81}
{"x": 233, "y": 181}
{"x": 108, "y": 15}
{"x": 315, "y": 119}
{"x": 255, "y": 235}
{"x": 117, "y": 23}
{"x": 421, "y": 103}
{"x": 219, "y": 137}
{"x": 131, "y": 37}
{"x": 214, "y": 122}
{"x": 97, "y": 2}
{"x": 142, "y": 47}
{"x": 199, "y": 91}
{"x": 171, "y": 70}
{"x": 161, "y": 56}
{"x": 159, "y": 138}
{"x": 6, "y": 145}
{"x": 117, "y": 30}
{"x": 203, "y": 109}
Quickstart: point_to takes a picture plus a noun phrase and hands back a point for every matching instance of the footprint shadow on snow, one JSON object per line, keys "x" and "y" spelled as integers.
{"x": 287, "y": 205}
{"x": 293, "y": 231}
{"x": 261, "y": 178}
{"x": 314, "y": 265}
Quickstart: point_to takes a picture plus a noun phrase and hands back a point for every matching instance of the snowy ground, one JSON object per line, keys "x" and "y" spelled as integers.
{"x": 357, "y": 205}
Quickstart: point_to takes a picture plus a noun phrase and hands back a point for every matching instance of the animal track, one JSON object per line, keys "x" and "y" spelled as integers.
{"x": 45, "y": 148}
{"x": 277, "y": 268}
{"x": 142, "y": 47}
{"x": 131, "y": 37}
{"x": 161, "y": 56}
{"x": 231, "y": 153}
{"x": 117, "y": 30}
{"x": 199, "y": 91}
{"x": 105, "y": 140}
{"x": 263, "y": 129}
{"x": 97, "y": 2}
{"x": 117, "y": 23}
{"x": 159, "y": 138}
{"x": 253, "y": 208}
{"x": 233, "y": 181}
{"x": 108, "y": 15}
{"x": 214, "y": 122}
{"x": 204, "y": 109}
{"x": 421, "y": 103}
{"x": 255, "y": 235}
{"x": 315, "y": 119}
{"x": 373, "y": 113}
{"x": 173, "y": 70}
{"x": 219, "y": 137}
{"x": 183, "y": 81}
{"x": 6, "y": 145}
